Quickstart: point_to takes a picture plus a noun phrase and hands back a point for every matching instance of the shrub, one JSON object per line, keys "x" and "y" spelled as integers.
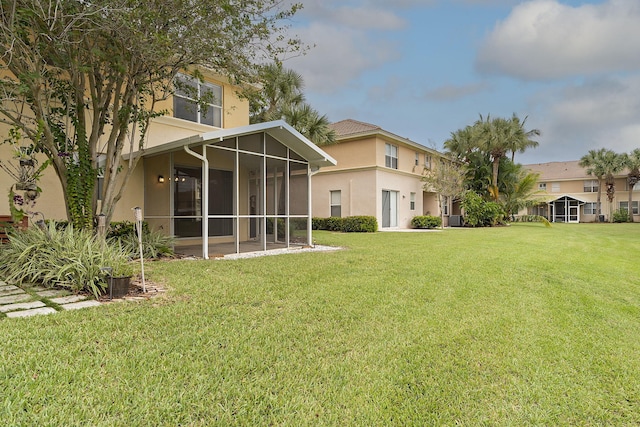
{"x": 155, "y": 244}
{"x": 350, "y": 224}
{"x": 621, "y": 215}
{"x": 426, "y": 221}
{"x": 479, "y": 212}
{"x": 69, "y": 258}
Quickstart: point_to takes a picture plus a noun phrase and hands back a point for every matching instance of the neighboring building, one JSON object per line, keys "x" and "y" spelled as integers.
{"x": 378, "y": 174}
{"x": 244, "y": 186}
{"x": 569, "y": 194}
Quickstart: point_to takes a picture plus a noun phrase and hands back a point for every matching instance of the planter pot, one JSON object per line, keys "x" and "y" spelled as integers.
{"x": 118, "y": 286}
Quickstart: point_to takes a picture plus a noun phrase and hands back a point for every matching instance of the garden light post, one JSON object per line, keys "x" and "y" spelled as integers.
{"x": 138, "y": 215}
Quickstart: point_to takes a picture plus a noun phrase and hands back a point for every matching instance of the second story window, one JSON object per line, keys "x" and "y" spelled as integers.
{"x": 391, "y": 156}
{"x": 427, "y": 161}
{"x": 591, "y": 186}
{"x": 185, "y": 105}
{"x": 542, "y": 186}
{"x": 417, "y": 162}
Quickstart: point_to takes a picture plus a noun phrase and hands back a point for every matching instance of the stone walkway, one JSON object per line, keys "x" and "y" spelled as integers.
{"x": 17, "y": 302}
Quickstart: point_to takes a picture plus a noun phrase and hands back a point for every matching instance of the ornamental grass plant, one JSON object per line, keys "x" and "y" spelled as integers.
{"x": 64, "y": 257}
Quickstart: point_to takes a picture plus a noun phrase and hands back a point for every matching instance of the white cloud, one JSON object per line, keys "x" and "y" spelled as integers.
{"x": 601, "y": 113}
{"x": 545, "y": 39}
{"x": 339, "y": 56}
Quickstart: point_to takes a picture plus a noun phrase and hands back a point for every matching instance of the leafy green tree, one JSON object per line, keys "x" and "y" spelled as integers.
{"x": 81, "y": 78}
{"x": 491, "y": 139}
{"x": 447, "y": 180}
{"x": 519, "y": 188}
{"x": 282, "y": 97}
{"x": 632, "y": 163}
{"x": 603, "y": 164}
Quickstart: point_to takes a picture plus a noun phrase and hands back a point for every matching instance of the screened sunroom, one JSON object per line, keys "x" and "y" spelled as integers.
{"x": 246, "y": 189}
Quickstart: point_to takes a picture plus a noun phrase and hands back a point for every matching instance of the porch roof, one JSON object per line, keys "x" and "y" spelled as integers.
{"x": 278, "y": 129}
{"x": 553, "y": 197}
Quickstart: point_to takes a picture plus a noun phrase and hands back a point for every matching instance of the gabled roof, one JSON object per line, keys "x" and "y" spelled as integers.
{"x": 278, "y": 129}
{"x": 559, "y": 171}
{"x": 351, "y": 129}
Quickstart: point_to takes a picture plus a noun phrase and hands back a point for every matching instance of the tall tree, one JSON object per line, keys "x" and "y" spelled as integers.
{"x": 281, "y": 96}
{"x": 602, "y": 164}
{"x": 447, "y": 180}
{"x": 632, "y": 163}
{"x": 80, "y": 78}
{"x": 494, "y": 137}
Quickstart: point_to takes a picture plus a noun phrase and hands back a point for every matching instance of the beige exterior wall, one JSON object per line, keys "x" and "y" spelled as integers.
{"x": 162, "y": 130}
{"x": 361, "y": 176}
{"x": 575, "y": 188}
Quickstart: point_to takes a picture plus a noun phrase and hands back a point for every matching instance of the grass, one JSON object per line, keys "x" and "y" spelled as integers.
{"x": 520, "y": 325}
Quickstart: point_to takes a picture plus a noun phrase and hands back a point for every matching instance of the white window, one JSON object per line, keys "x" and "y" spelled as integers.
{"x": 412, "y": 201}
{"x": 555, "y": 187}
{"x": 336, "y": 203}
{"x": 542, "y": 186}
{"x": 625, "y": 206}
{"x": 391, "y": 156}
{"x": 427, "y": 161}
{"x": 445, "y": 205}
{"x": 590, "y": 208}
{"x": 417, "y": 161}
{"x": 591, "y": 186}
{"x": 186, "y": 106}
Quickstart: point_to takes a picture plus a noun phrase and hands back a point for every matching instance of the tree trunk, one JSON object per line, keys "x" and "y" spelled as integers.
{"x": 632, "y": 180}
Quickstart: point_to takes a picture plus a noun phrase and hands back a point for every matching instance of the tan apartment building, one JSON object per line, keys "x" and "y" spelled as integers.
{"x": 569, "y": 194}
{"x": 210, "y": 174}
{"x": 378, "y": 174}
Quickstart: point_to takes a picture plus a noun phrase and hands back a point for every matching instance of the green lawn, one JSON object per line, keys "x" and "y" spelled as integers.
{"x": 520, "y": 325}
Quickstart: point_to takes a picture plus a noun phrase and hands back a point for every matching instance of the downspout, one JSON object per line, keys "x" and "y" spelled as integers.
{"x": 205, "y": 198}
{"x": 311, "y": 171}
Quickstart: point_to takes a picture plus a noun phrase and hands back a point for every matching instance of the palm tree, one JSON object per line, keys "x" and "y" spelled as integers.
{"x": 632, "y": 163}
{"x": 281, "y": 98}
{"x": 603, "y": 164}
{"x": 310, "y": 123}
{"x": 521, "y": 140}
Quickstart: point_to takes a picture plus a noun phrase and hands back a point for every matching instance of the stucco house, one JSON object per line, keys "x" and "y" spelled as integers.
{"x": 569, "y": 194}
{"x": 246, "y": 187}
{"x": 378, "y": 174}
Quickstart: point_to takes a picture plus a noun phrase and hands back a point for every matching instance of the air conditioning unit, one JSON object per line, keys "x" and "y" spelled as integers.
{"x": 455, "y": 221}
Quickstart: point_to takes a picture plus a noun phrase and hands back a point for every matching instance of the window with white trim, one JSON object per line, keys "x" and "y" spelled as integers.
{"x": 391, "y": 156}
{"x": 624, "y": 205}
{"x": 185, "y": 101}
{"x": 542, "y": 186}
{"x": 590, "y": 208}
{"x": 417, "y": 162}
{"x": 412, "y": 201}
{"x": 591, "y": 186}
{"x": 336, "y": 203}
{"x": 555, "y": 187}
{"x": 427, "y": 161}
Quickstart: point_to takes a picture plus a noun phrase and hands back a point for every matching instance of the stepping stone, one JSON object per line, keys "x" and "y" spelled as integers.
{"x": 4, "y": 286}
{"x": 68, "y": 299}
{"x": 33, "y": 312}
{"x": 21, "y": 306}
{"x": 14, "y": 298}
{"x": 80, "y": 304}
{"x": 51, "y": 293}
{"x": 11, "y": 291}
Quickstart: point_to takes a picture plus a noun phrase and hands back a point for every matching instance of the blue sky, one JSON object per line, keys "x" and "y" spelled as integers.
{"x": 424, "y": 68}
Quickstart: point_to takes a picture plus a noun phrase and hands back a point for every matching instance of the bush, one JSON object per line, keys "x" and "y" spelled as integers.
{"x": 350, "y": 224}
{"x": 69, "y": 258}
{"x": 426, "y": 221}
{"x": 479, "y": 212}
{"x": 155, "y": 244}
{"x": 621, "y": 215}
